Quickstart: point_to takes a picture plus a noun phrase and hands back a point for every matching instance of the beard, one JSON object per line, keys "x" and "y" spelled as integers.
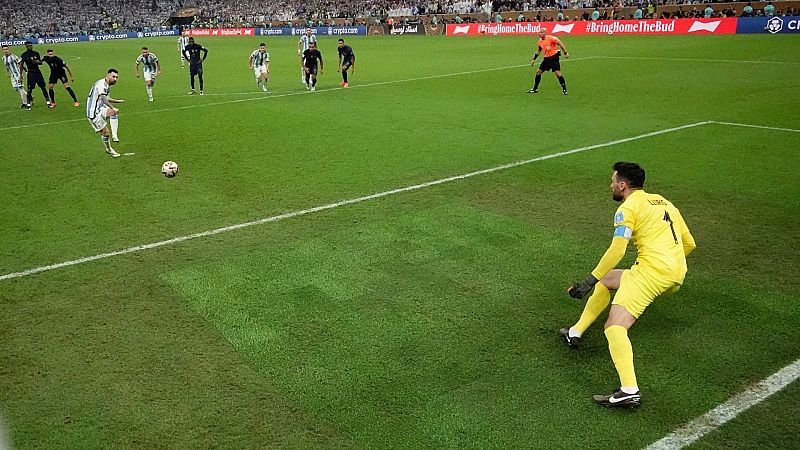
{"x": 616, "y": 197}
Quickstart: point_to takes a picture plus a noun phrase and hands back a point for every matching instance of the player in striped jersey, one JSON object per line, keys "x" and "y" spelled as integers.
{"x": 183, "y": 41}
{"x": 302, "y": 45}
{"x": 151, "y": 68}
{"x": 259, "y": 64}
{"x": 12, "y": 63}
{"x": 98, "y": 109}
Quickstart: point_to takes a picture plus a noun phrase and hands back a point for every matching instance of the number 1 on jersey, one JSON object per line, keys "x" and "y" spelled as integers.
{"x": 667, "y": 218}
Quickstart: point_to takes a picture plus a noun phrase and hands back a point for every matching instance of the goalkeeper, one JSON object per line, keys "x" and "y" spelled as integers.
{"x": 662, "y": 241}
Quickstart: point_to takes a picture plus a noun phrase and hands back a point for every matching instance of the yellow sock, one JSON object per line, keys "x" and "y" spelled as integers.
{"x": 596, "y": 304}
{"x": 622, "y": 353}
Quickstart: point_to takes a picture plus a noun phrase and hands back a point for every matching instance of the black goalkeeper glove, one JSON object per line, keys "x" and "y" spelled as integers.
{"x": 581, "y": 288}
{"x": 535, "y": 56}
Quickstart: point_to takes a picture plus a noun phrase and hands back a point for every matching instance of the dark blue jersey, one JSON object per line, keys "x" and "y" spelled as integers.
{"x": 192, "y": 53}
{"x": 347, "y": 54}
{"x": 311, "y": 56}
{"x": 57, "y": 65}
{"x": 31, "y": 59}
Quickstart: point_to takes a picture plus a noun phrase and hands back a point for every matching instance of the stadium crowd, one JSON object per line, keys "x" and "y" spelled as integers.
{"x": 21, "y": 19}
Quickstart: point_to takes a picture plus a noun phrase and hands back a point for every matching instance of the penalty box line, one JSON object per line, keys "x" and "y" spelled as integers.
{"x": 302, "y": 212}
{"x": 710, "y": 421}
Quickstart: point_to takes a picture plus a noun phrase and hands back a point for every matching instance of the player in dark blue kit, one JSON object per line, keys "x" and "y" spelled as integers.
{"x": 58, "y": 72}
{"x": 311, "y": 58}
{"x": 192, "y": 53}
{"x": 347, "y": 60}
{"x": 31, "y": 60}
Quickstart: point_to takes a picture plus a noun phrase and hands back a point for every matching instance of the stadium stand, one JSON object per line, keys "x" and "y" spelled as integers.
{"x": 23, "y": 18}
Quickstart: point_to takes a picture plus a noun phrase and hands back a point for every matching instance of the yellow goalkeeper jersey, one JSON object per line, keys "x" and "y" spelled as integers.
{"x": 658, "y": 231}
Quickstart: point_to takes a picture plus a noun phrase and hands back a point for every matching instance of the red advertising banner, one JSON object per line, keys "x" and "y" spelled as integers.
{"x": 220, "y": 32}
{"x": 660, "y": 26}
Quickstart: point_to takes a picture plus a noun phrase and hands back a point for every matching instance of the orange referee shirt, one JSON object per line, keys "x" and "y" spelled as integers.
{"x": 549, "y": 45}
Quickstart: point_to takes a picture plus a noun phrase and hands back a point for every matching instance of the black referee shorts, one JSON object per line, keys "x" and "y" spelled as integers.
{"x": 195, "y": 69}
{"x": 551, "y": 63}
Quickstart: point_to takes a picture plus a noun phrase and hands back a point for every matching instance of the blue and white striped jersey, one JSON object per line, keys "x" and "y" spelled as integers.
{"x": 306, "y": 40}
{"x": 149, "y": 62}
{"x": 93, "y": 103}
{"x": 259, "y": 58}
{"x": 12, "y": 65}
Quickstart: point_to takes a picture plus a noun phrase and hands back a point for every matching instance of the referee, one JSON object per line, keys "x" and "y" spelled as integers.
{"x": 549, "y": 45}
{"x": 31, "y": 60}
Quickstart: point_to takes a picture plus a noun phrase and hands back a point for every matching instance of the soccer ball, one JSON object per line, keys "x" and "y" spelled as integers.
{"x": 169, "y": 169}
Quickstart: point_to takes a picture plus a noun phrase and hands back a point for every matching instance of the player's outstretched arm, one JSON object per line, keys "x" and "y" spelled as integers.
{"x": 137, "y": 69}
{"x": 205, "y": 53}
{"x": 564, "y": 49}
{"x": 610, "y": 259}
{"x": 69, "y": 71}
{"x": 535, "y": 55}
{"x": 686, "y": 236}
{"x": 158, "y": 68}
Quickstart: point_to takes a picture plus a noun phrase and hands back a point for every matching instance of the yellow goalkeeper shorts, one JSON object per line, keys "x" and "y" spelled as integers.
{"x": 638, "y": 288}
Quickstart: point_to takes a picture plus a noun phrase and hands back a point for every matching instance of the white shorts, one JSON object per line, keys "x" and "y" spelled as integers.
{"x": 260, "y": 70}
{"x": 149, "y": 76}
{"x": 16, "y": 83}
{"x": 99, "y": 121}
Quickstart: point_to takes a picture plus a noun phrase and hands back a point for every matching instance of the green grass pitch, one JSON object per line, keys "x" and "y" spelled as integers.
{"x": 423, "y": 319}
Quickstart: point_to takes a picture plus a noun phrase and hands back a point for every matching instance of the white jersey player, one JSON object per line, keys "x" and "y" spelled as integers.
{"x": 259, "y": 64}
{"x": 302, "y": 45}
{"x": 151, "y": 69}
{"x": 183, "y": 41}
{"x": 12, "y": 63}
{"x": 99, "y": 111}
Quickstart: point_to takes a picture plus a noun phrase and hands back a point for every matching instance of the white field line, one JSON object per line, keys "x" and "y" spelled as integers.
{"x": 351, "y": 201}
{"x": 734, "y": 61}
{"x": 708, "y": 422}
{"x": 762, "y": 127}
{"x": 288, "y": 94}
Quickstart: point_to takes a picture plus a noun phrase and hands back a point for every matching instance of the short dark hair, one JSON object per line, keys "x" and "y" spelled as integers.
{"x": 262, "y": 45}
{"x": 144, "y": 48}
{"x": 630, "y": 172}
{"x": 113, "y": 71}
{"x": 341, "y": 40}
{"x": 50, "y": 50}
{"x": 5, "y": 46}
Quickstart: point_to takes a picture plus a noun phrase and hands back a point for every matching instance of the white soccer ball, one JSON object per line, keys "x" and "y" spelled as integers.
{"x": 169, "y": 169}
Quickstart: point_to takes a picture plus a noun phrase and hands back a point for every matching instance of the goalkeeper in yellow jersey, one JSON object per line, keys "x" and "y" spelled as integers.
{"x": 663, "y": 242}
